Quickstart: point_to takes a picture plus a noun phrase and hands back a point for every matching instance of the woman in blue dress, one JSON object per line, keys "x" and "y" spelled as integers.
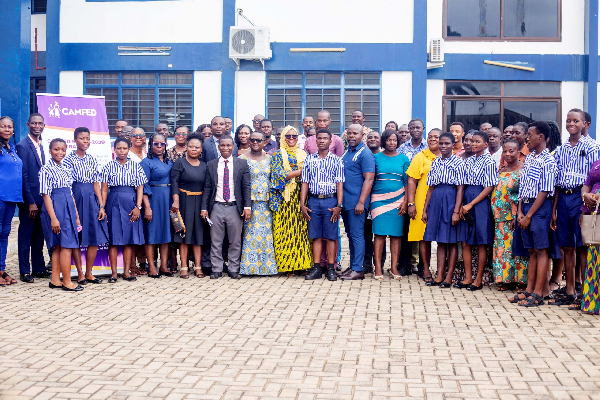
{"x": 157, "y": 202}
{"x": 11, "y": 191}
{"x": 126, "y": 180}
{"x": 388, "y": 204}
{"x": 89, "y": 203}
{"x": 60, "y": 222}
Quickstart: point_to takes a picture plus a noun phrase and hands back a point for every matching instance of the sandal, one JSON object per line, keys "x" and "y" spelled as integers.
{"x": 112, "y": 279}
{"x": 532, "y": 301}
{"x": 183, "y": 273}
{"x": 562, "y": 300}
{"x": 517, "y": 299}
{"x": 554, "y": 283}
{"x": 3, "y": 282}
{"x": 428, "y": 279}
{"x": 8, "y": 279}
{"x": 167, "y": 273}
{"x": 198, "y": 272}
{"x": 576, "y": 303}
{"x": 377, "y": 277}
{"x": 394, "y": 276}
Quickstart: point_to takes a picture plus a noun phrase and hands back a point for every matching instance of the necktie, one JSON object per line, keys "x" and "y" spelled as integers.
{"x": 226, "y": 193}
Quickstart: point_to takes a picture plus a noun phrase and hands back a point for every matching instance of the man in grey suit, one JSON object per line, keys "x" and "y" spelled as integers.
{"x": 226, "y": 204}
{"x": 210, "y": 147}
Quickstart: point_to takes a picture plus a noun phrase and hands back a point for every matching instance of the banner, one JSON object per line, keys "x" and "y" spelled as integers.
{"x": 62, "y": 114}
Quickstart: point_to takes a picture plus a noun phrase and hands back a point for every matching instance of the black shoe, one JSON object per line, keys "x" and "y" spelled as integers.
{"x": 95, "y": 281}
{"x": 433, "y": 283}
{"x": 163, "y": 273}
{"x": 460, "y": 285}
{"x": 314, "y": 273}
{"x": 44, "y": 274}
{"x": 144, "y": 266}
{"x": 27, "y": 278}
{"x": 53, "y": 286}
{"x": 79, "y": 288}
{"x": 130, "y": 279}
{"x": 216, "y": 275}
{"x": 338, "y": 268}
{"x": 445, "y": 285}
{"x": 157, "y": 276}
{"x": 234, "y": 275}
{"x": 331, "y": 275}
{"x": 405, "y": 270}
{"x": 367, "y": 269}
{"x": 473, "y": 288}
{"x": 112, "y": 280}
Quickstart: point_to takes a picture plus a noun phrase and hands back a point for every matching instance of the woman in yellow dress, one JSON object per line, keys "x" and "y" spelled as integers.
{"x": 416, "y": 193}
{"x": 290, "y": 230}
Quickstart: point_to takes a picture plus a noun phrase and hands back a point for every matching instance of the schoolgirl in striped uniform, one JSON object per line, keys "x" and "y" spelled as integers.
{"x": 476, "y": 227}
{"x": 89, "y": 202}
{"x": 60, "y": 221}
{"x": 126, "y": 180}
{"x": 441, "y": 212}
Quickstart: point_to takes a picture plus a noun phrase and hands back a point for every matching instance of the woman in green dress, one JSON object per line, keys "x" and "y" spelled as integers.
{"x": 388, "y": 204}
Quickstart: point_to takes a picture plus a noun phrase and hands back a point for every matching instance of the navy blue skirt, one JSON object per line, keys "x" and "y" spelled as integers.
{"x": 439, "y": 215}
{"x": 64, "y": 209}
{"x": 94, "y": 232}
{"x": 120, "y": 202}
{"x": 158, "y": 231}
{"x": 482, "y": 232}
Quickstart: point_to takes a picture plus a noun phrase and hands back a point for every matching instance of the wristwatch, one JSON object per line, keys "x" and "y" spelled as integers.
{"x": 101, "y": 206}
{"x": 340, "y": 205}
{"x": 139, "y": 207}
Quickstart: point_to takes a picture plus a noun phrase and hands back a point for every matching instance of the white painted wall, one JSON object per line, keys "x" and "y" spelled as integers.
{"x": 572, "y": 97}
{"x": 38, "y": 21}
{"x": 71, "y": 82}
{"x": 350, "y": 21}
{"x": 396, "y": 97}
{"x": 572, "y": 34}
{"x": 249, "y": 96}
{"x": 182, "y": 21}
{"x": 207, "y": 96}
{"x": 435, "y": 115}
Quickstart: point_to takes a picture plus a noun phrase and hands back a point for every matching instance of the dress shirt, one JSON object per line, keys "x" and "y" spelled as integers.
{"x": 220, "y": 171}
{"x": 134, "y": 156}
{"x": 38, "y": 146}
{"x": 446, "y": 171}
{"x": 356, "y": 163}
{"x": 538, "y": 175}
{"x": 323, "y": 174}
{"x": 409, "y": 151}
{"x": 574, "y": 162}
{"x": 497, "y": 157}
{"x": 269, "y": 147}
{"x": 54, "y": 176}
{"x": 11, "y": 177}
{"x": 83, "y": 170}
{"x": 366, "y": 131}
{"x": 301, "y": 140}
{"x": 336, "y": 147}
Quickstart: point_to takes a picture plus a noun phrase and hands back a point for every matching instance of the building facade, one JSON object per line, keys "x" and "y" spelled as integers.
{"x": 168, "y": 60}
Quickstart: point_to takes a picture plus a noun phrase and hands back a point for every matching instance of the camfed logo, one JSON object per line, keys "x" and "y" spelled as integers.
{"x": 54, "y": 110}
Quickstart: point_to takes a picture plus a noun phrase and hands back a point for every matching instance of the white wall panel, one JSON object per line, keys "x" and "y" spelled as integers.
{"x": 182, "y": 21}
{"x": 249, "y": 96}
{"x": 38, "y": 21}
{"x": 71, "y": 82}
{"x": 572, "y": 34}
{"x": 207, "y": 96}
{"x": 350, "y": 21}
{"x": 435, "y": 115}
{"x": 396, "y": 97}
{"x": 572, "y": 97}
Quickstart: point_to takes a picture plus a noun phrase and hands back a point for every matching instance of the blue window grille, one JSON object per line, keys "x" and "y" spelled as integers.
{"x": 293, "y": 95}
{"x": 144, "y": 99}
{"x": 36, "y": 85}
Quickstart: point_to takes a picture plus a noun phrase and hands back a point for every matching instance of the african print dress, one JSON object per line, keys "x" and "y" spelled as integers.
{"x": 591, "y": 284}
{"x": 258, "y": 254}
{"x": 505, "y": 201}
{"x": 290, "y": 230}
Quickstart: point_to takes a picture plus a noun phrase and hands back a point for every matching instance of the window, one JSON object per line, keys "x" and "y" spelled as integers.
{"x": 38, "y": 6}
{"x": 518, "y": 20}
{"x": 144, "y": 99}
{"x": 290, "y": 96}
{"x": 36, "y": 85}
{"x": 500, "y": 103}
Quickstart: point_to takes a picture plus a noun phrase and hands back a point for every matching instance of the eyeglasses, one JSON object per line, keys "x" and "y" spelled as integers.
{"x": 138, "y": 135}
{"x": 256, "y": 120}
{"x": 181, "y": 134}
{"x": 291, "y": 136}
{"x": 254, "y": 140}
{"x": 157, "y": 144}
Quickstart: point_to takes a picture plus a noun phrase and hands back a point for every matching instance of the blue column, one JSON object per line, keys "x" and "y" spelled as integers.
{"x": 15, "y": 47}
{"x": 419, "y": 72}
{"x": 228, "y": 66}
{"x": 591, "y": 84}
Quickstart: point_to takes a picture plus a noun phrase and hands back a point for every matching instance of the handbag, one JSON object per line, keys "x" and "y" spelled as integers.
{"x": 590, "y": 228}
{"x": 177, "y": 223}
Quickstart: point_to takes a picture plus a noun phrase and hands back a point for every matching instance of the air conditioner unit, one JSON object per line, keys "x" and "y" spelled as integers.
{"x": 436, "y": 50}
{"x": 249, "y": 43}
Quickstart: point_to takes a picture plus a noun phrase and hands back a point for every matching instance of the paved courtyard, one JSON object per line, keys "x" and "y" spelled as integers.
{"x": 282, "y": 337}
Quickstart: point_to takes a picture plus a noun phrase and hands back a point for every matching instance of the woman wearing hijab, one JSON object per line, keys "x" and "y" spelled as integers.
{"x": 290, "y": 230}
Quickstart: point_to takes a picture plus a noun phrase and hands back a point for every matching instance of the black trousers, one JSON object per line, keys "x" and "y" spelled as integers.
{"x": 405, "y": 259}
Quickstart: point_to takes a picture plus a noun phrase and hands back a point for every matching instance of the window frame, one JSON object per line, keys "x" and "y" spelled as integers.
{"x": 342, "y": 87}
{"x": 33, "y": 91}
{"x": 33, "y": 2}
{"x": 502, "y": 99}
{"x": 156, "y": 86}
{"x": 502, "y": 38}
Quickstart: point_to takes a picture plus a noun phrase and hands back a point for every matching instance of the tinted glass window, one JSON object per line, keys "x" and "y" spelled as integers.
{"x": 473, "y": 88}
{"x": 530, "y": 18}
{"x": 532, "y": 89}
{"x": 473, "y": 113}
{"x": 473, "y": 18}
{"x": 529, "y": 111}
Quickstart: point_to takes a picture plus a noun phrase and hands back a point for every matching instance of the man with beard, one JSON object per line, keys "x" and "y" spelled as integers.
{"x": 307, "y": 123}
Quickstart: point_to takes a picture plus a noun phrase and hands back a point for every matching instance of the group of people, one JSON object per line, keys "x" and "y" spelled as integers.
{"x": 262, "y": 201}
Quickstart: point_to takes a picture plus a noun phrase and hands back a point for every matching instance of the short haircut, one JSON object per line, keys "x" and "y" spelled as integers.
{"x": 35, "y": 115}
{"x": 228, "y": 118}
{"x": 511, "y": 141}
{"x": 435, "y": 130}
{"x": 123, "y": 139}
{"x": 201, "y": 127}
{"x": 79, "y": 130}
{"x": 393, "y": 122}
{"x": 226, "y": 137}
{"x": 360, "y": 111}
{"x": 522, "y": 125}
{"x": 580, "y": 111}
{"x": 308, "y": 116}
{"x": 195, "y": 135}
{"x": 493, "y": 128}
{"x": 483, "y": 135}
{"x": 213, "y": 118}
{"x": 122, "y": 120}
{"x": 56, "y": 140}
{"x": 324, "y": 130}
{"x": 416, "y": 120}
{"x": 588, "y": 117}
{"x": 261, "y": 133}
{"x": 266, "y": 120}
{"x": 447, "y": 135}
{"x": 162, "y": 123}
{"x": 387, "y": 134}
{"x": 180, "y": 126}
{"x": 542, "y": 128}
{"x": 459, "y": 124}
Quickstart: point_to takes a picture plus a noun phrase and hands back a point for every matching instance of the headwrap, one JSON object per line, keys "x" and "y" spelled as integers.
{"x": 300, "y": 157}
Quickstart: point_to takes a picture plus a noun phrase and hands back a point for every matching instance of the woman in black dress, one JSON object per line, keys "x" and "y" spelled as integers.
{"x": 187, "y": 183}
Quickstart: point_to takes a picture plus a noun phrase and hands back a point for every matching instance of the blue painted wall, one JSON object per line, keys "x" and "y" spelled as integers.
{"x": 15, "y": 47}
{"x": 591, "y": 86}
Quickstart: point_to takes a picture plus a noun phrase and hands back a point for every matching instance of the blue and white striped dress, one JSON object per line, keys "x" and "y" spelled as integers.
{"x": 55, "y": 181}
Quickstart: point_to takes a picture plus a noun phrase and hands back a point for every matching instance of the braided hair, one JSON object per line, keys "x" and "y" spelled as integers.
{"x": 554, "y": 140}
{"x": 4, "y": 144}
{"x": 150, "y": 154}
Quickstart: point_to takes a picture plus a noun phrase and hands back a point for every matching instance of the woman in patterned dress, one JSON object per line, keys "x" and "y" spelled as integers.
{"x": 508, "y": 270}
{"x": 258, "y": 255}
{"x": 290, "y": 230}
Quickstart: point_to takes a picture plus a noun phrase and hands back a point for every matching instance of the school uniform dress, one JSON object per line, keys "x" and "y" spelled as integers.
{"x": 480, "y": 172}
{"x": 538, "y": 175}
{"x": 445, "y": 175}
{"x": 573, "y": 165}
{"x": 158, "y": 190}
{"x": 85, "y": 172}
{"x": 55, "y": 181}
{"x": 122, "y": 182}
